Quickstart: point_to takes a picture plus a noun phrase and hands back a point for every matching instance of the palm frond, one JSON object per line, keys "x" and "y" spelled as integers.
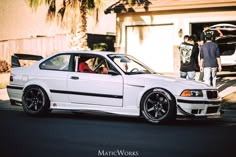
{"x": 35, "y": 3}
{"x": 91, "y": 4}
{"x": 61, "y": 12}
{"x": 51, "y": 10}
{"x": 68, "y": 15}
{"x": 94, "y": 11}
{"x": 48, "y": 2}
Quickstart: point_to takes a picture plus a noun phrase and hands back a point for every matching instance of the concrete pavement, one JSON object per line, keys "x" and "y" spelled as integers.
{"x": 3, "y": 94}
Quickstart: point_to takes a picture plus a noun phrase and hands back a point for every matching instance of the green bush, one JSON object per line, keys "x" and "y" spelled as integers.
{"x": 100, "y": 47}
{"x": 4, "y": 66}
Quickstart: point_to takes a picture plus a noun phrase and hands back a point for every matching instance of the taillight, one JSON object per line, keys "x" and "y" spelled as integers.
{"x": 11, "y": 78}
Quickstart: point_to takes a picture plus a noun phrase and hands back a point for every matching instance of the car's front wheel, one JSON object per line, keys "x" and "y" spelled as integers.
{"x": 35, "y": 101}
{"x": 158, "y": 105}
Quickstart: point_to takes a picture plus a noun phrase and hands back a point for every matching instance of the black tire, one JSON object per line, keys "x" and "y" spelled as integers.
{"x": 158, "y": 105}
{"x": 35, "y": 101}
{"x": 76, "y": 112}
{"x": 13, "y": 102}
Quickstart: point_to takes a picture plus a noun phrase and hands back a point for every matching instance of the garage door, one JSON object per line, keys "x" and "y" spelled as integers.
{"x": 153, "y": 45}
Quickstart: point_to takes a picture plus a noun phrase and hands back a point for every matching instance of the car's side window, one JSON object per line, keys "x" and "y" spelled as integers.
{"x": 90, "y": 63}
{"x": 60, "y": 62}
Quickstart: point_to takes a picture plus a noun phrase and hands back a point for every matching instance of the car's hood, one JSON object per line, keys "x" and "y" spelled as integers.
{"x": 167, "y": 82}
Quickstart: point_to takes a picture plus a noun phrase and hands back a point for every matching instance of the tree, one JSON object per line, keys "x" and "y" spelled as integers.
{"x": 72, "y": 15}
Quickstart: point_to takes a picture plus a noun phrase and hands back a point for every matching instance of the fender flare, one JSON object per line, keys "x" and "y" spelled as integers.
{"x": 40, "y": 84}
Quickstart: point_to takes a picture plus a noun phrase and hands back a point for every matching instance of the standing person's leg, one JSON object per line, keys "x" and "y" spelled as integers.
{"x": 201, "y": 76}
{"x": 213, "y": 75}
{"x": 191, "y": 75}
{"x": 207, "y": 75}
{"x": 183, "y": 74}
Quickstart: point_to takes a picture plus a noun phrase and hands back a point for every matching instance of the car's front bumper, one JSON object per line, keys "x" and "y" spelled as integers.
{"x": 193, "y": 108}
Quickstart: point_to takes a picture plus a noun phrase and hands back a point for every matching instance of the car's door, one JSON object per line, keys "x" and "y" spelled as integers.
{"x": 53, "y": 75}
{"x": 94, "y": 88}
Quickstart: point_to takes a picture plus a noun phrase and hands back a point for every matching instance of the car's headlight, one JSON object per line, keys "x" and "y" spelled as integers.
{"x": 192, "y": 93}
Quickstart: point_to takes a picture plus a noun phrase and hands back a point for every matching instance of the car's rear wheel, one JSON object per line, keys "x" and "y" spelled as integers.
{"x": 158, "y": 105}
{"x": 35, "y": 101}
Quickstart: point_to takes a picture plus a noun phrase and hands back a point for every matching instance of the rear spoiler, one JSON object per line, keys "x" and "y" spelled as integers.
{"x": 15, "y": 62}
{"x": 18, "y": 56}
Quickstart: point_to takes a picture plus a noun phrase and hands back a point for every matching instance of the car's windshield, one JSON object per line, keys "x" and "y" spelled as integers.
{"x": 129, "y": 65}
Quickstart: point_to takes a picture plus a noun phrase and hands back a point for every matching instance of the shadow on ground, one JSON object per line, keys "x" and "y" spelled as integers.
{"x": 224, "y": 81}
{"x": 227, "y": 81}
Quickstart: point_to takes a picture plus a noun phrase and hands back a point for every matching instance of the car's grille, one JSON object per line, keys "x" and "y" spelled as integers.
{"x": 212, "y": 94}
{"x": 196, "y": 111}
{"x": 212, "y": 109}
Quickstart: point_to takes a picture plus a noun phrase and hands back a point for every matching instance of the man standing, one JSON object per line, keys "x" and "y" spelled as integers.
{"x": 207, "y": 31}
{"x": 186, "y": 37}
{"x": 210, "y": 60}
{"x": 188, "y": 58}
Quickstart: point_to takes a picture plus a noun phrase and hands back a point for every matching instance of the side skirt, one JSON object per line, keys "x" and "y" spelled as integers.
{"x": 108, "y": 109}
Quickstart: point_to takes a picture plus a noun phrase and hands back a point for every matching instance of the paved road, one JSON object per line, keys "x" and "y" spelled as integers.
{"x": 63, "y": 134}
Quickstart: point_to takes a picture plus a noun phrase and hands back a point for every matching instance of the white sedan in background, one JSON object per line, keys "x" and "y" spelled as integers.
{"x": 128, "y": 88}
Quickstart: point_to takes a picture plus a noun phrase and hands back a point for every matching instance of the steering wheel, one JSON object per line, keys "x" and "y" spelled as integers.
{"x": 134, "y": 69}
{"x": 98, "y": 66}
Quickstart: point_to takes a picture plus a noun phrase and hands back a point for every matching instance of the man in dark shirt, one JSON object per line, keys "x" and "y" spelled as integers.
{"x": 188, "y": 58}
{"x": 210, "y": 60}
{"x": 207, "y": 31}
{"x": 213, "y": 33}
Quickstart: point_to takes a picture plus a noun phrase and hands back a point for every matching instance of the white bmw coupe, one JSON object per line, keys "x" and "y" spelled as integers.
{"x": 108, "y": 82}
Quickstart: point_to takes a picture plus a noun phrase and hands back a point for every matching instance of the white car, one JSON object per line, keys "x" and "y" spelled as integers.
{"x": 129, "y": 88}
{"x": 227, "y": 45}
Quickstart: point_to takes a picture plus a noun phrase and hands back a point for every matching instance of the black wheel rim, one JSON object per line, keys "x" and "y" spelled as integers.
{"x": 156, "y": 106}
{"x": 34, "y": 99}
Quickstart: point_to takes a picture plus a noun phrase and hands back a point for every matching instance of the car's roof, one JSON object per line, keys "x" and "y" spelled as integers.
{"x": 89, "y": 52}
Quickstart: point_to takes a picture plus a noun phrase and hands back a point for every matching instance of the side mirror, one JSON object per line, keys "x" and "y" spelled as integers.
{"x": 124, "y": 60}
{"x": 112, "y": 72}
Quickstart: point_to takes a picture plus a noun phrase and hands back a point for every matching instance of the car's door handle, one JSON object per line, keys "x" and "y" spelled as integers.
{"x": 74, "y": 77}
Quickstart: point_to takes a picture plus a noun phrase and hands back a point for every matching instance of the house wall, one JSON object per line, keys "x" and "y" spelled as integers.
{"x": 179, "y": 19}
